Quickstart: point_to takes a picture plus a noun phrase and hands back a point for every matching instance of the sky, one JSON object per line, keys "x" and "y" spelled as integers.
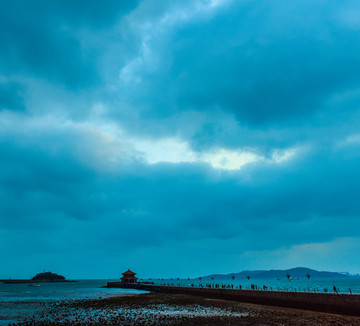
{"x": 178, "y": 138}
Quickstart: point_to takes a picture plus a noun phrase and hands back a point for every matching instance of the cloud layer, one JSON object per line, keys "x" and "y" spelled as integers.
{"x": 218, "y": 135}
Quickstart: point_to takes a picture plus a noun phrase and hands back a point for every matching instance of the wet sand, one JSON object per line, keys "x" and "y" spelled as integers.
{"x": 171, "y": 309}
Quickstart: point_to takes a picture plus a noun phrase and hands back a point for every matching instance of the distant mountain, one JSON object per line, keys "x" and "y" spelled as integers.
{"x": 298, "y": 272}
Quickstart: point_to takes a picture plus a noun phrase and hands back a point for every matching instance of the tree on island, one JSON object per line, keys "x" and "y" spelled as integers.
{"x": 288, "y": 276}
{"x": 308, "y": 276}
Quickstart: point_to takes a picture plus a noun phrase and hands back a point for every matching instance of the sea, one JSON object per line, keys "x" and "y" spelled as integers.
{"x": 20, "y": 301}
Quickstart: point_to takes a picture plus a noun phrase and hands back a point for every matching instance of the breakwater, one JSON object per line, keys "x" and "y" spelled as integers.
{"x": 344, "y": 304}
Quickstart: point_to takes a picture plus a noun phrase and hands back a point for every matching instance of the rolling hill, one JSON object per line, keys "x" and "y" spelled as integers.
{"x": 298, "y": 272}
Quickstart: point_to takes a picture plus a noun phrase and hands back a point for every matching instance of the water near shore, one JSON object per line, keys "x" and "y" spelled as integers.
{"x": 18, "y": 301}
{"x": 176, "y": 310}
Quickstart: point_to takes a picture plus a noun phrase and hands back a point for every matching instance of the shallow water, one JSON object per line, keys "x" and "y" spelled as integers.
{"x": 18, "y": 301}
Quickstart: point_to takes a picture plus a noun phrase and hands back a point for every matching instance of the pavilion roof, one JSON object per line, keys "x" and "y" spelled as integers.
{"x": 129, "y": 272}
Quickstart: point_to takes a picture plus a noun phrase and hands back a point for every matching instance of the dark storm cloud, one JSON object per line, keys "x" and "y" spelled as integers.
{"x": 266, "y": 63}
{"x": 245, "y": 76}
{"x": 53, "y": 40}
{"x": 48, "y": 190}
{"x": 181, "y": 202}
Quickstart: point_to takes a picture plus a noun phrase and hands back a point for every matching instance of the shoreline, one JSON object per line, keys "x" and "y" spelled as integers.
{"x": 343, "y": 304}
{"x": 177, "y": 309}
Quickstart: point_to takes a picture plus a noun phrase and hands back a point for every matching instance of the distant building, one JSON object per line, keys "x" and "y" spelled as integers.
{"x": 128, "y": 277}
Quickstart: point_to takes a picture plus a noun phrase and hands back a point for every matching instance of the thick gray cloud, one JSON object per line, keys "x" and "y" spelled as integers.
{"x": 154, "y": 207}
{"x": 56, "y": 40}
{"x": 199, "y": 131}
{"x": 290, "y": 53}
{"x": 11, "y": 96}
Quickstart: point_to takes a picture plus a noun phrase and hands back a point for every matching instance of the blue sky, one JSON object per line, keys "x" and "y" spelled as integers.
{"x": 179, "y": 138}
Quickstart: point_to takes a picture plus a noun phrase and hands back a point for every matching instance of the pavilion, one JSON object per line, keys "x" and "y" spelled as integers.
{"x": 128, "y": 277}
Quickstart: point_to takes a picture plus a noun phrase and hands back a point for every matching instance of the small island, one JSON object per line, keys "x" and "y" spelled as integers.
{"x": 45, "y": 277}
{"x": 48, "y": 276}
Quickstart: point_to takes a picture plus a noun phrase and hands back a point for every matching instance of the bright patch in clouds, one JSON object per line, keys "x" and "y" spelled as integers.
{"x": 168, "y": 150}
{"x": 172, "y": 150}
{"x": 229, "y": 160}
{"x": 106, "y": 146}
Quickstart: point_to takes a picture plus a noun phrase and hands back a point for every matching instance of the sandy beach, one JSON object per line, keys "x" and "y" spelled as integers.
{"x": 170, "y": 309}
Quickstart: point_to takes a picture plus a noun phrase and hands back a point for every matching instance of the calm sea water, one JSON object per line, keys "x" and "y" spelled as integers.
{"x": 18, "y": 301}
